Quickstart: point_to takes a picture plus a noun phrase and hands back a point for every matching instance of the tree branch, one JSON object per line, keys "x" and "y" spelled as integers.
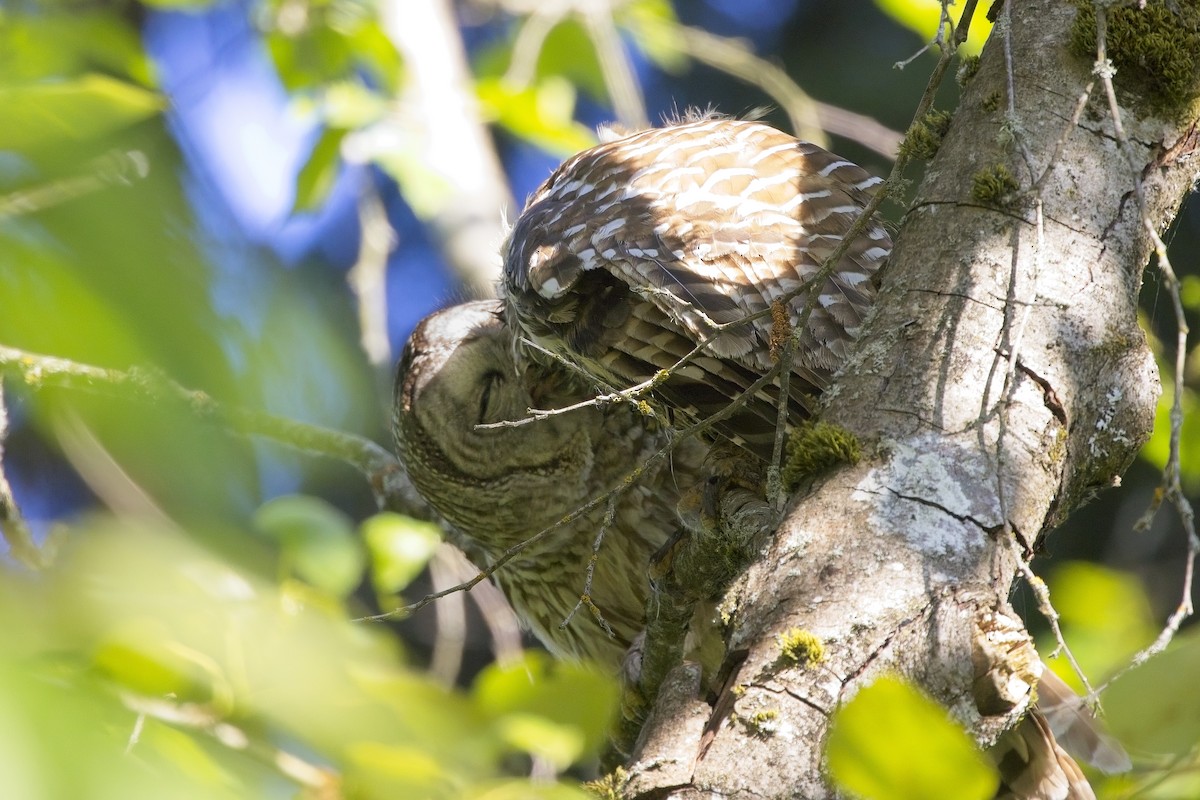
{"x": 896, "y": 563}
{"x": 382, "y": 469}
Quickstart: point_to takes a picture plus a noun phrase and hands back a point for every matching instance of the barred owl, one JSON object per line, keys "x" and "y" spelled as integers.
{"x": 500, "y": 486}
{"x": 634, "y": 252}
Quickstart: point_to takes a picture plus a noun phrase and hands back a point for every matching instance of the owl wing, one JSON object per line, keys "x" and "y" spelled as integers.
{"x": 634, "y": 252}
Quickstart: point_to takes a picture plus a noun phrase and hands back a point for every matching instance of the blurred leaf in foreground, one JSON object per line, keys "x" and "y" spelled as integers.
{"x": 891, "y": 742}
{"x": 155, "y": 668}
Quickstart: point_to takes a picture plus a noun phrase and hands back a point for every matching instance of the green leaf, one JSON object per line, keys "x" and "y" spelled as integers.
{"x": 526, "y": 790}
{"x": 424, "y": 715}
{"x": 1105, "y": 615}
{"x": 155, "y": 666}
{"x": 93, "y": 327}
{"x": 349, "y": 104}
{"x": 42, "y": 114}
{"x": 60, "y": 45}
{"x": 317, "y": 176}
{"x": 191, "y": 758}
{"x": 542, "y": 113}
{"x": 1158, "y": 448}
{"x": 657, "y": 32}
{"x": 317, "y": 541}
{"x": 400, "y": 548}
{"x": 330, "y": 41}
{"x": 573, "y": 696}
{"x": 561, "y": 745}
{"x": 311, "y": 58}
{"x": 375, "y": 51}
{"x": 1156, "y": 706}
{"x": 377, "y": 770}
{"x": 891, "y": 742}
{"x": 568, "y": 52}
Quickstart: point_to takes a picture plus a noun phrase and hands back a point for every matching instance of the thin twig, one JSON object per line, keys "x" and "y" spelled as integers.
{"x": 380, "y": 467}
{"x": 498, "y": 615}
{"x": 527, "y": 48}
{"x": 585, "y": 598}
{"x": 450, "y": 638}
{"x": 1004, "y": 25}
{"x": 939, "y": 38}
{"x": 809, "y": 118}
{"x": 319, "y": 780}
{"x": 615, "y": 67}
{"x": 1041, "y": 593}
{"x": 734, "y": 57}
{"x": 115, "y": 168}
{"x": 775, "y": 490}
{"x": 1061, "y": 143}
{"x": 368, "y": 279}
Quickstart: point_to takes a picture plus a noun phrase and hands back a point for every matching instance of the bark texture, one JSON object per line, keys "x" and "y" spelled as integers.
{"x": 1002, "y": 380}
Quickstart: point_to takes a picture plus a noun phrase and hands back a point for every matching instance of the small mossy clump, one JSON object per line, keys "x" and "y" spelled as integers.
{"x": 994, "y": 186}
{"x": 1155, "y": 48}
{"x": 814, "y": 448}
{"x": 925, "y": 136}
{"x": 798, "y": 646}
{"x": 608, "y": 787}
{"x": 762, "y": 722}
{"x": 992, "y": 101}
{"x": 966, "y": 70}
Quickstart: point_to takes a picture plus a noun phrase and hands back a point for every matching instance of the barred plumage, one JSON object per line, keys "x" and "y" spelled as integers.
{"x": 500, "y": 486}
{"x": 632, "y": 251}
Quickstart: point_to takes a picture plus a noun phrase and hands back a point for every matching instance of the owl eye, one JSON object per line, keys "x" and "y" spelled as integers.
{"x": 487, "y": 398}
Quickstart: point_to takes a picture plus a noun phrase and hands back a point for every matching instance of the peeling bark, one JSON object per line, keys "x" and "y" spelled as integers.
{"x": 1001, "y": 381}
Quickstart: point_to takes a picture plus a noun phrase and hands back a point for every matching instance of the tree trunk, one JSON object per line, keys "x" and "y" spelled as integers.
{"x": 1002, "y": 380}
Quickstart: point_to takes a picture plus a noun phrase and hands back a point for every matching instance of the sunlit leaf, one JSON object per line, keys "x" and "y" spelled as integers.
{"x": 38, "y": 115}
{"x": 317, "y": 541}
{"x": 61, "y": 45}
{"x": 923, "y": 18}
{"x": 318, "y": 43}
{"x": 400, "y": 548}
{"x": 568, "y": 52}
{"x": 311, "y": 58}
{"x": 570, "y": 695}
{"x": 1156, "y": 707}
{"x": 655, "y": 28}
{"x": 317, "y": 176}
{"x": 425, "y": 189}
{"x": 526, "y": 790}
{"x": 48, "y": 722}
{"x": 1158, "y": 448}
{"x": 1105, "y": 615}
{"x": 542, "y": 113}
{"x": 185, "y": 752}
{"x": 375, "y": 51}
{"x": 36, "y": 271}
{"x": 891, "y": 742}
{"x": 149, "y": 665}
{"x": 387, "y": 771}
{"x": 560, "y": 745}
{"x": 430, "y": 717}
{"x": 349, "y": 104}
